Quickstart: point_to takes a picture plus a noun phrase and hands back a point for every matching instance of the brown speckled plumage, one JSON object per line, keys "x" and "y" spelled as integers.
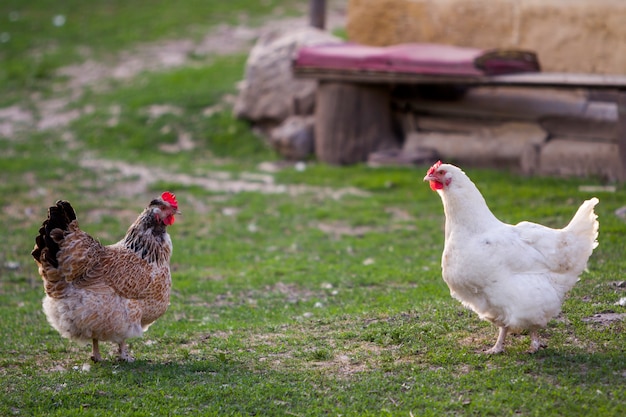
{"x": 105, "y": 293}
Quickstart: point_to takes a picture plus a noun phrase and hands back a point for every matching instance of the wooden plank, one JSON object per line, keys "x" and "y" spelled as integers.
{"x": 593, "y": 130}
{"x": 554, "y": 79}
{"x": 596, "y": 82}
{"x": 324, "y": 74}
{"x": 603, "y": 95}
{"x": 351, "y": 122}
{"x": 317, "y": 13}
{"x": 453, "y": 124}
{"x": 621, "y": 131}
{"x": 517, "y": 103}
{"x": 535, "y": 79}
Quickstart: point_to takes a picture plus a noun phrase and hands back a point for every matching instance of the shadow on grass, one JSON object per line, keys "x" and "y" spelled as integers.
{"x": 583, "y": 368}
{"x": 224, "y": 384}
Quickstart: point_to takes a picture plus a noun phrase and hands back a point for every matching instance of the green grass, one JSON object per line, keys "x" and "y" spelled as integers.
{"x": 294, "y": 303}
{"x": 33, "y": 47}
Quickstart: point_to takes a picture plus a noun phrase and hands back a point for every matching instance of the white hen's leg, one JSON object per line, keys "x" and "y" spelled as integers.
{"x": 535, "y": 342}
{"x": 124, "y": 355}
{"x": 95, "y": 351}
{"x": 499, "y": 346}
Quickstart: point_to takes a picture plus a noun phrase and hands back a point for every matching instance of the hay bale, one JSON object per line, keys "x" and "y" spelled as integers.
{"x": 568, "y": 35}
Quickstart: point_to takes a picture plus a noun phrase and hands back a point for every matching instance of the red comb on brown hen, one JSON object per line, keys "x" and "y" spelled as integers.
{"x": 170, "y": 198}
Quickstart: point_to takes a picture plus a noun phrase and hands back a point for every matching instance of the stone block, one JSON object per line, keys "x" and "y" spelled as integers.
{"x": 269, "y": 92}
{"x": 510, "y": 145}
{"x": 294, "y": 138}
{"x": 572, "y": 158}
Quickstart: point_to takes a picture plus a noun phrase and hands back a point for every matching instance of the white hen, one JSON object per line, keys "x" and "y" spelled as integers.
{"x": 515, "y": 276}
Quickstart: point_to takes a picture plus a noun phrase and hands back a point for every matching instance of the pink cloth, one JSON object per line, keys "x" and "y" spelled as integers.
{"x": 420, "y": 58}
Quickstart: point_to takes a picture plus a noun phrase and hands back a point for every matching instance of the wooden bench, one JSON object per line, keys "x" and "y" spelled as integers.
{"x": 344, "y": 137}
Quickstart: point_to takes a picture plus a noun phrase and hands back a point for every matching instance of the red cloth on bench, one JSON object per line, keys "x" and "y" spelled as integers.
{"x": 421, "y": 58}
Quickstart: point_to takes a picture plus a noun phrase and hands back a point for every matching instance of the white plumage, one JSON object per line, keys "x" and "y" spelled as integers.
{"x": 515, "y": 276}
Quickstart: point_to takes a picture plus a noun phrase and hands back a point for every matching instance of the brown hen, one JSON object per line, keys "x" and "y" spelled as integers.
{"x": 109, "y": 293}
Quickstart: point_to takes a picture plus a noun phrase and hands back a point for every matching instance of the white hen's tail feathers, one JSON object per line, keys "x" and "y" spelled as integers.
{"x": 580, "y": 238}
{"x": 585, "y": 223}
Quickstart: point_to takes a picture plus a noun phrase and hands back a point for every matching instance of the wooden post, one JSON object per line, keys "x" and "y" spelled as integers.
{"x": 317, "y": 13}
{"x": 352, "y": 121}
{"x": 621, "y": 131}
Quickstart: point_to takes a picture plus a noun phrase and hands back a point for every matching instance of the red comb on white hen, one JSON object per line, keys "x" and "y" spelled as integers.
{"x": 515, "y": 276}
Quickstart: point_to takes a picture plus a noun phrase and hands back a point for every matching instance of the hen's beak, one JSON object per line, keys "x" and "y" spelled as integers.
{"x": 429, "y": 177}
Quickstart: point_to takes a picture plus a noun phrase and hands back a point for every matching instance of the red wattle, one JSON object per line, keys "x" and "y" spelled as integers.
{"x": 435, "y": 185}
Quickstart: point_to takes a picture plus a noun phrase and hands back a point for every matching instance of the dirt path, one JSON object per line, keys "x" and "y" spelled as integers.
{"x": 223, "y": 40}
{"x": 216, "y": 181}
{"x": 159, "y": 56}
{"x": 156, "y": 56}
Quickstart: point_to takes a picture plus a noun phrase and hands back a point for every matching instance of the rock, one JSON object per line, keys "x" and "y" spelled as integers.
{"x": 294, "y": 138}
{"x": 269, "y": 91}
{"x": 400, "y": 157}
{"x": 621, "y": 213}
{"x": 573, "y": 158}
{"x": 605, "y": 318}
{"x": 511, "y": 144}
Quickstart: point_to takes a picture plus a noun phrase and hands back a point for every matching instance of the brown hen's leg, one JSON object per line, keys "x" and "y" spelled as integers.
{"x": 535, "y": 342}
{"x": 499, "y": 346}
{"x": 124, "y": 355}
{"x": 95, "y": 351}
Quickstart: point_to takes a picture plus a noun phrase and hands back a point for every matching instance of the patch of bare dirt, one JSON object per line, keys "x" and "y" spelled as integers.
{"x": 399, "y": 215}
{"x": 346, "y": 358}
{"x": 158, "y": 56}
{"x": 605, "y": 319}
{"x": 357, "y": 358}
{"x": 292, "y": 293}
{"x": 12, "y": 119}
{"x": 155, "y": 56}
{"x": 135, "y": 179}
{"x": 339, "y": 229}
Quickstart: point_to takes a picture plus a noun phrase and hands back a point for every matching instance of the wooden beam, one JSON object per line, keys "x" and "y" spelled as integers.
{"x": 595, "y": 82}
{"x": 317, "y": 13}
{"x": 531, "y": 79}
{"x": 621, "y": 130}
{"x": 351, "y": 122}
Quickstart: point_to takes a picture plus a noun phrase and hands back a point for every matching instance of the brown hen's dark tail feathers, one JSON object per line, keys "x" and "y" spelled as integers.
{"x": 59, "y": 217}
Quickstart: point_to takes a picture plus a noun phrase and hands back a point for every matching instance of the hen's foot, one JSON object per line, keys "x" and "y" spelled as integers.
{"x": 494, "y": 350}
{"x": 535, "y": 343}
{"x": 95, "y": 351}
{"x": 499, "y": 346}
{"x": 123, "y": 354}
